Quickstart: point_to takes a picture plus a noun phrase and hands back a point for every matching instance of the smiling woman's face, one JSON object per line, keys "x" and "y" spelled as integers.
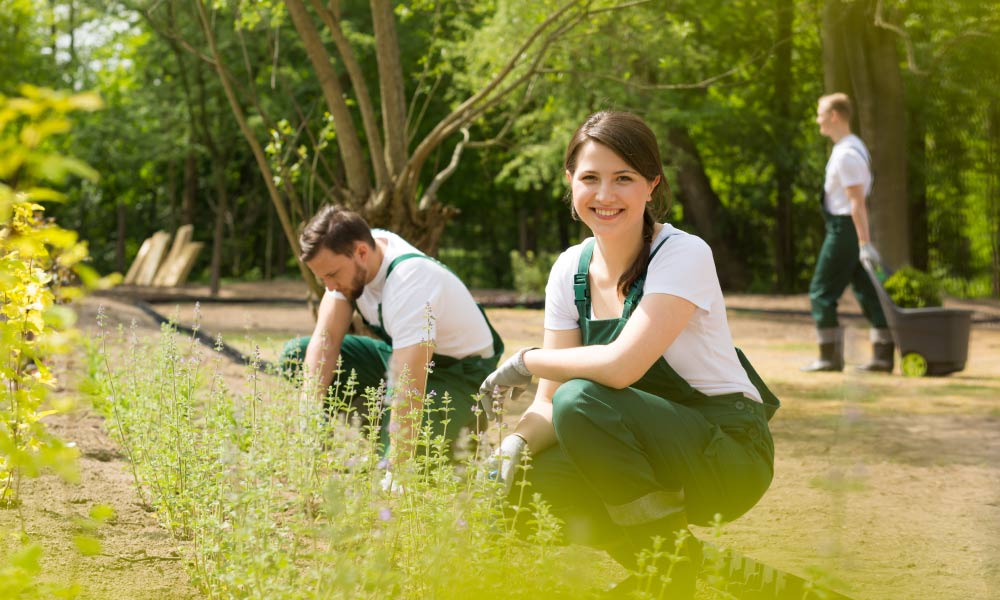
{"x": 609, "y": 195}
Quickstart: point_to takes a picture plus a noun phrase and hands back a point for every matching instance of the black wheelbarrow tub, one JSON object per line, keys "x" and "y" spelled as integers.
{"x": 931, "y": 341}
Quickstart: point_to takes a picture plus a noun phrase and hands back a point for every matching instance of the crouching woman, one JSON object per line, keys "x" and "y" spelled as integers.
{"x": 646, "y": 417}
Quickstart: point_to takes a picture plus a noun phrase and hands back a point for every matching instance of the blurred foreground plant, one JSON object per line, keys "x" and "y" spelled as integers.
{"x": 40, "y": 264}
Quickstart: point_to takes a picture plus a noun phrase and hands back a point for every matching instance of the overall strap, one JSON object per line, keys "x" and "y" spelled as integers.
{"x": 581, "y": 282}
{"x": 403, "y": 257}
{"x": 635, "y": 292}
{"x": 392, "y": 266}
{"x": 866, "y": 156}
{"x": 581, "y": 285}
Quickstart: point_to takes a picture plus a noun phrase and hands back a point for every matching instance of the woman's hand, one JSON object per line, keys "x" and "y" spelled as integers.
{"x": 509, "y": 376}
{"x": 502, "y": 465}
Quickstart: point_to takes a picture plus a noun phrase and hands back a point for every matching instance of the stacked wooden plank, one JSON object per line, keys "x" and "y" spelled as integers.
{"x": 155, "y": 266}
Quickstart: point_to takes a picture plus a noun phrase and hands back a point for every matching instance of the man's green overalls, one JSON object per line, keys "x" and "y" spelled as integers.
{"x": 369, "y": 359}
{"x": 631, "y": 456}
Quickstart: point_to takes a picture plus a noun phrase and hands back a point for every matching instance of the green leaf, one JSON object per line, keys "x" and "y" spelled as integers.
{"x": 102, "y": 513}
{"x": 87, "y": 545}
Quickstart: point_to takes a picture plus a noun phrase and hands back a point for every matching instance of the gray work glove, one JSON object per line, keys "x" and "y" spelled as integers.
{"x": 390, "y": 484}
{"x": 509, "y": 376}
{"x": 502, "y": 465}
{"x": 869, "y": 254}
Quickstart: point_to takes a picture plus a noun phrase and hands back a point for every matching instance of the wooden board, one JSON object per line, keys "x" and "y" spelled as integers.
{"x": 181, "y": 239}
{"x": 151, "y": 264}
{"x": 175, "y": 271}
{"x": 133, "y": 270}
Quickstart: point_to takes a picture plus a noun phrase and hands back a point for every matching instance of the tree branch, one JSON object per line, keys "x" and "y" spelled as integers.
{"x": 430, "y": 195}
{"x": 911, "y": 61}
{"x": 258, "y": 151}
{"x": 488, "y": 96}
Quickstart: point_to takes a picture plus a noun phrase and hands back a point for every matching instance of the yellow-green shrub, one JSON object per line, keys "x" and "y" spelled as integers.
{"x": 36, "y": 257}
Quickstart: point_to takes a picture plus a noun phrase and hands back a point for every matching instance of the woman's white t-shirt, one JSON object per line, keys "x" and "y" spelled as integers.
{"x": 703, "y": 354}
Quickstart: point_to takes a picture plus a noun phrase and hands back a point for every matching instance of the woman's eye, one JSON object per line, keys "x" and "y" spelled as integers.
{"x": 624, "y": 178}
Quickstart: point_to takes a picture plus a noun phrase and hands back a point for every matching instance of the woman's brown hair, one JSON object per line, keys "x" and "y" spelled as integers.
{"x": 628, "y": 136}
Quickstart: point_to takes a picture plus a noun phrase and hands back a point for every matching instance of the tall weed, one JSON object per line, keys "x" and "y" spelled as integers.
{"x": 274, "y": 499}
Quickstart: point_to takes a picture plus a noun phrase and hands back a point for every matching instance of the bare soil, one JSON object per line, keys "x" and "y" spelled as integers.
{"x": 888, "y": 487}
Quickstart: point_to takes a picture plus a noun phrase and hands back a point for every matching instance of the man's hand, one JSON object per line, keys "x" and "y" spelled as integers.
{"x": 868, "y": 253}
{"x": 510, "y": 375}
{"x": 502, "y": 466}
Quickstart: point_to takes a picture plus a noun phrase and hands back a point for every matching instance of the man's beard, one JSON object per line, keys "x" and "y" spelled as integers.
{"x": 358, "y": 283}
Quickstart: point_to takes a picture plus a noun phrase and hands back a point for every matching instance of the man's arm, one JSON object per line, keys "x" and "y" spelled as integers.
{"x": 859, "y": 212}
{"x": 332, "y": 322}
{"x": 407, "y": 397}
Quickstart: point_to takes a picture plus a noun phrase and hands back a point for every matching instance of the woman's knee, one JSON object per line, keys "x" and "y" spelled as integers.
{"x": 574, "y": 399}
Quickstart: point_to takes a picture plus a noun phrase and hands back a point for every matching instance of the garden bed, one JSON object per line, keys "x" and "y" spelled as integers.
{"x": 885, "y": 487}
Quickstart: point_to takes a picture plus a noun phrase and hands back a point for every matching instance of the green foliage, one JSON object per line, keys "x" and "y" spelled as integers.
{"x": 279, "y": 501}
{"x": 531, "y": 271}
{"x": 709, "y": 68}
{"x": 36, "y": 258}
{"x": 40, "y": 264}
{"x": 911, "y": 288}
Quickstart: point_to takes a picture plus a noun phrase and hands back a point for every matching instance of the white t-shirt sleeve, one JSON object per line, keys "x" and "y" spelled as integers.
{"x": 560, "y": 307}
{"x": 684, "y": 267}
{"x": 852, "y": 168}
{"x": 405, "y": 312}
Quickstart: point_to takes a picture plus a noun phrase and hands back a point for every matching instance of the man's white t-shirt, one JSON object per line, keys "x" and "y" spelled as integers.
{"x": 848, "y": 165}
{"x": 703, "y": 354}
{"x": 421, "y": 301}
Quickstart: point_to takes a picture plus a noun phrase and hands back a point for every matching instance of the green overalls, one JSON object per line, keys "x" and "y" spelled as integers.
{"x": 837, "y": 267}
{"x": 369, "y": 359}
{"x": 631, "y": 456}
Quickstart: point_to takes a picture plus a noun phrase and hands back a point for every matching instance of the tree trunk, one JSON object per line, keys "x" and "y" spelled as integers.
{"x": 703, "y": 206}
{"x": 122, "y": 217}
{"x": 218, "y": 233}
{"x": 172, "y": 194}
{"x": 347, "y": 139}
{"x": 190, "y": 184}
{"x": 862, "y": 61}
{"x": 917, "y": 174}
{"x": 993, "y": 189}
{"x": 269, "y": 246}
{"x": 390, "y": 77}
{"x": 785, "y": 163}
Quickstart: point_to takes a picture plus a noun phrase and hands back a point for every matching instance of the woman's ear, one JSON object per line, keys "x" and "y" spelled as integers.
{"x": 652, "y": 186}
{"x": 569, "y": 176}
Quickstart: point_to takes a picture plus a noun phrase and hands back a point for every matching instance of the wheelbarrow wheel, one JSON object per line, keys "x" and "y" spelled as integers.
{"x": 913, "y": 365}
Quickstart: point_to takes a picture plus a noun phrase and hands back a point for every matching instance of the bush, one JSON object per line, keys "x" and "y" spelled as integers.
{"x": 531, "y": 271}
{"x": 911, "y": 288}
{"x": 40, "y": 265}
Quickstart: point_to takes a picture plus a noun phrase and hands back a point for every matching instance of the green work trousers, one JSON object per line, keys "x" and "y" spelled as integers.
{"x": 618, "y": 447}
{"x": 368, "y": 359}
{"x": 837, "y": 267}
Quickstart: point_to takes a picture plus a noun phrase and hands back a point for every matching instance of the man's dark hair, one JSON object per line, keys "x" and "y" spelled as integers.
{"x": 336, "y": 229}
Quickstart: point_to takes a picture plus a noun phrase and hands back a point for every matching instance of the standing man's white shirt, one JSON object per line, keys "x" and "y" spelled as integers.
{"x": 703, "y": 354}
{"x": 848, "y": 165}
{"x": 454, "y": 321}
